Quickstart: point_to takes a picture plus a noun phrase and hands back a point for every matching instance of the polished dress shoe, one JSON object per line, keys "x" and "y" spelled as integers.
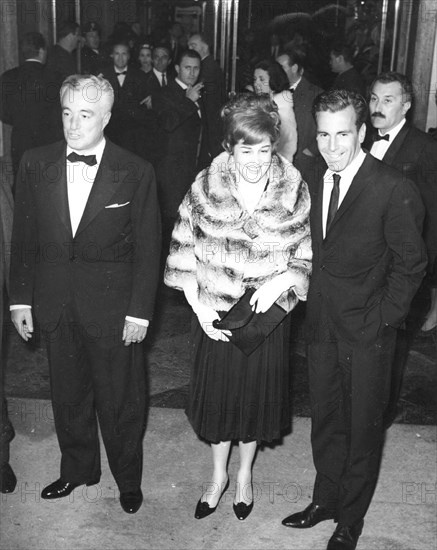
{"x": 203, "y": 509}
{"x": 312, "y": 515}
{"x": 242, "y": 510}
{"x": 346, "y": 537}
{"x": 60, "y": 488}
{"x": 131, "y": 501}
{"x": 8, "y": 481}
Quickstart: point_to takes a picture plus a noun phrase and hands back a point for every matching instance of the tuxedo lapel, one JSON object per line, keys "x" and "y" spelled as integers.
{"x": 394, "y": 148}
{"x": 55, "y": 173}
{"x": 108, "y": 178}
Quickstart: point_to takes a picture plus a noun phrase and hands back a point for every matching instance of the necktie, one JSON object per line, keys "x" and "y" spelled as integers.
{"x": 87, "y": 159}
{"x": 385, "y": 137}
{"x": 333, "y": 201}
{"x": 163, "y": 81}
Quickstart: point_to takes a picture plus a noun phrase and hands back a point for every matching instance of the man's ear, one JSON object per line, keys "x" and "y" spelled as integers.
{"x": 106, "y": 118}
{"x": 177, "y": 69}
{"x": 362, "y": 132}
{"x": 406, "y": 107}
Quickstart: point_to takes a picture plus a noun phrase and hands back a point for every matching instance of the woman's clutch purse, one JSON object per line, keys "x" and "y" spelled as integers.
{"x": 249, "y": 329}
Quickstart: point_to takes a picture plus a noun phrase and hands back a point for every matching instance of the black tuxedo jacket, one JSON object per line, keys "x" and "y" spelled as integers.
{"x": 303, "y": 98}
{"x": 369, "y": 266}
{"x": 213, "y": 97}
{"x": 109, "y": 269}
{"x": 25, "y": 105}
{"x": 414, "y": 154}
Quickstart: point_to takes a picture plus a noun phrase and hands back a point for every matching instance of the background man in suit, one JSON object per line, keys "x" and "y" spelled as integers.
{"x": 24, "y": 98}
{"x": 213, "y": 92}
{"x": 414, "y": 154}
{"x": 8, "y": 480}
{"x": 130, "y": 116}
{"x": 85, "y": 262}
{"x": 363, "y": 216}
{"x": 158, "y": 78}
{"x": 292, "y": 61}
{"x": 92, "y": 58}
{"x": 180, "y": 116}
{"x": 348, "y": 78}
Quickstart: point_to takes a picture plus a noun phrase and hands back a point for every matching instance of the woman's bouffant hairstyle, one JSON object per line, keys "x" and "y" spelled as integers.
{"x": 251, "y": 119}
{"x": 278, "y": 80}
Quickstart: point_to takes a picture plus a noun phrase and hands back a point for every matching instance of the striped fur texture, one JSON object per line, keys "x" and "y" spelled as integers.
{"x": 227, "y": 250}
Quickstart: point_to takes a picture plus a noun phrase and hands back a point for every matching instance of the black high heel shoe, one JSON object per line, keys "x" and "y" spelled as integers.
{"x": 242, "y": 510}
{"x": 203, "y": 509}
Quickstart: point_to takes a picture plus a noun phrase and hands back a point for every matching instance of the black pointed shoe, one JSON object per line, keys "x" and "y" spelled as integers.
{"x": 203, "y": 509}
{"x": 312, "y": 515}
{"x": 131, "y": 501}
{"x": 8, "y": 480}
{"x": 346, "y": 537}
{"x": 242, "y": 510}
{"x": 60, "y": 488}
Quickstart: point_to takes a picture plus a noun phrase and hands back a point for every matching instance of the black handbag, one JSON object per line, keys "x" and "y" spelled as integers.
{"x": 249, "y": 329}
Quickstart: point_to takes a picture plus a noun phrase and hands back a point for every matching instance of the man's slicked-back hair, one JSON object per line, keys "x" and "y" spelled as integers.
{"x": 187, "y": 53}
{"x": 94, "y": 88}
{"x": 251, "y": 119}
{"x": 296, "y": 56}
{"x": 404, "y": 81}
{"x": 336, "y": 100}
{"x": 31, "y": 44}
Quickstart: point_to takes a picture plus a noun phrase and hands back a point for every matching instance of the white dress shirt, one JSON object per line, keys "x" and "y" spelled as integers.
{"x": 346, "y": 175}
{"x": 122, "y": 77}
{"x": 379, "y": 148}
{"x": 158, "y": 75}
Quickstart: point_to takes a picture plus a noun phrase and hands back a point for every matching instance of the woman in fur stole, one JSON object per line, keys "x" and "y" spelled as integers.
{"x": 243, "y": 224}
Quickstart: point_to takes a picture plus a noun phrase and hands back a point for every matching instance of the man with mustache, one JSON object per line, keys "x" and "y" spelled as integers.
{"x": 412, "y": 152}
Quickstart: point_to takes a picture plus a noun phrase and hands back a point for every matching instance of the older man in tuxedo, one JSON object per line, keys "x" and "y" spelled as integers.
{"x": 85, "y": 262}
{"x": 413, "y": 153}
{"x": 368, "y": 261}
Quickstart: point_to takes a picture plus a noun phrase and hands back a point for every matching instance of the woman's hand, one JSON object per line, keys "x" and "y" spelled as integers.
{"x": 206, "y": 316}
{"x": 267, "y": 294}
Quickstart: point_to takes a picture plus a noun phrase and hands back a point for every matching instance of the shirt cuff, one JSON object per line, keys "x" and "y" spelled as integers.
{"x": 142, "y": 322}
{"x": 19, "y": 306}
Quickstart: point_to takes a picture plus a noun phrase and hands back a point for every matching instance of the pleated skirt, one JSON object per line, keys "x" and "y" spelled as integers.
{"x": 234, "y": 397}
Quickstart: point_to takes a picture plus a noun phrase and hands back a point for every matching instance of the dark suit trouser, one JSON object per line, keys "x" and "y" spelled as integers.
{"x": 6, "y": 429}
{"x": 349, "y": 389}
{"x": 94, "y": 376}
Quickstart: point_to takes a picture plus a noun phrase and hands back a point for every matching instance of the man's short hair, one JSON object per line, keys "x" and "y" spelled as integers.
{"x": 336, "y": 100}
{"x": 341, "y": 48}
{"x": 66, "y": 28}
{"x": 202, "y": 37}
{"x": 31, "y": 44}
{"x": 404, "y": 81}
{"x": 165, "y": 47}
{"x": 94, "y": 88}
{"x": 251, "y": 119}
{"x": 296, "y": 56}
{"x": 187, "y": 53}
{"x": 119, "y": 43}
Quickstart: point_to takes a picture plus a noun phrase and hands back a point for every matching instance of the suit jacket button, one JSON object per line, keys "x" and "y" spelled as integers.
{"x": 322, "y": 267}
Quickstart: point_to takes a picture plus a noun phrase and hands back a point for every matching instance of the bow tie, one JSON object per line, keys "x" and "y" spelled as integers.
{"x": 385, "y": 137}
{"x": 87, "y": 159}
{"x": 122, "y": 72}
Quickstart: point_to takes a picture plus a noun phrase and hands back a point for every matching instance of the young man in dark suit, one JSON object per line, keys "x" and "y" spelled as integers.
{"x": 182, "y": 120}
{"x": 341, "y": 62}
{"x": 213, "y": 92}
{"x": 292, "y": 61}
{"x": 85, "y": 262}
{"x": 25, "y": 94}
{"x": 130, "y": 116}
{"x": 368, "y": 261}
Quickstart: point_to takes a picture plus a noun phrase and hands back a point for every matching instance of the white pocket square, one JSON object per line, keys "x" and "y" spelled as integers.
{"x": 116, "y": 205}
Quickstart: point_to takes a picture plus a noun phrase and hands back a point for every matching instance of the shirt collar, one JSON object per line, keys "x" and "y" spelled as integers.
{"x": 159, "y": 74}
{"x": 394, "y": 131}
{"x": 97, "y": 150}
{"x": 181, "y": 84}
{"x": 295, "y": 85}
{"x": 119, "y": 71}
{"x": 350, "y": 170}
